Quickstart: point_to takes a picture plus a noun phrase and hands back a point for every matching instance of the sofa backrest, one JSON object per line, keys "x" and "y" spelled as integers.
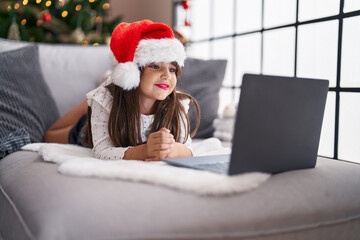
{"x": 69, "y": 70}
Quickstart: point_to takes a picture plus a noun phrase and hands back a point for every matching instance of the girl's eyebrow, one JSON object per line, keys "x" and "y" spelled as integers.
{"x": 172, "y": 63}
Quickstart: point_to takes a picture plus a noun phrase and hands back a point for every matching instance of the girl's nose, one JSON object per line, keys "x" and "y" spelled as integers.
{"x": 165, "y": 74}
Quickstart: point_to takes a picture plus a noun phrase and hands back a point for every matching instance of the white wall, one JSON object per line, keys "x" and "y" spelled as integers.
{"x": 135, "y": 10}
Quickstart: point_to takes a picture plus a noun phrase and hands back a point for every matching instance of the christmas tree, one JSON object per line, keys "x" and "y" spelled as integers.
{"x": 57, "y": 21}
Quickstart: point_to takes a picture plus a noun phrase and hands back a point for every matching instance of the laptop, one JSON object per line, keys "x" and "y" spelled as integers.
{"x": 277, "y": 128}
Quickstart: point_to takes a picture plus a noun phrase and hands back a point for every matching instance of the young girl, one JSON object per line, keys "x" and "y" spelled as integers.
{"x": 138, "y": 113}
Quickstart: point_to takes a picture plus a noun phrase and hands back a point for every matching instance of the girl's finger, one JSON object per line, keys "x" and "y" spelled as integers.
{"x": 164, "y": 153}
{"x": 163, "y": 146}
{"x": 162, "y": 140}
{"x": 162, "y": 135}
{"x": 164, "y": 130}
{"x": 158, "y": 155}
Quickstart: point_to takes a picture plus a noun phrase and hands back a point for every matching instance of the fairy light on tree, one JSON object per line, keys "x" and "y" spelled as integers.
{"x": 57, "y": 21}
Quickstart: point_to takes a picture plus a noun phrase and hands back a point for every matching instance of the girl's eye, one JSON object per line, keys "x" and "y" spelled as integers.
{"x": 172, "y": 69}
{"x": 154, "y": 66}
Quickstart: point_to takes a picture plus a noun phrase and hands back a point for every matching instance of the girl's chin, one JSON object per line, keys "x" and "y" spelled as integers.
{"x": 163, "y": 95}
{"x": 160, "y": 98}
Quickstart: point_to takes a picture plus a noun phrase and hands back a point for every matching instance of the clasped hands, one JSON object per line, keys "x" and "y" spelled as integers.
{"x": 159, "y": 145}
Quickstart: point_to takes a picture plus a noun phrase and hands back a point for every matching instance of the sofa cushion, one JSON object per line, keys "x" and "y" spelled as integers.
{"x": 69, "y": 70}
{"x": 25, "y": 99}
{"x": 203, "y": 79}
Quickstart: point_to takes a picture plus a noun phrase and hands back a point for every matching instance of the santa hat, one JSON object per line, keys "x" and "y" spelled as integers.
{"x": 136, "y": 44}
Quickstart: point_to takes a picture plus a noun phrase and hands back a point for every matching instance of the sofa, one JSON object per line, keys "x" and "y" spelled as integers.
{"x": 38, "y": 202}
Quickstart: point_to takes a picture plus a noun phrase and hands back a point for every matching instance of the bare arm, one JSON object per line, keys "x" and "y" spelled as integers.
{"x": 179, "y": 150}
{"x": 138, "y": 152}
{"x": 59, "y": 131}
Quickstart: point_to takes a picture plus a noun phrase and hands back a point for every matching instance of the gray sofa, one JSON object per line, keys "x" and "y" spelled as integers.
{"x": 37, "y": 202}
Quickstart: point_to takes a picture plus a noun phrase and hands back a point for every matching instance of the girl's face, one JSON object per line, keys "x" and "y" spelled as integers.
{"x": 157, "y": 81}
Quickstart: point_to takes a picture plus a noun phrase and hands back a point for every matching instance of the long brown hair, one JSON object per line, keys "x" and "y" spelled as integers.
{"x": 124, "y": 120}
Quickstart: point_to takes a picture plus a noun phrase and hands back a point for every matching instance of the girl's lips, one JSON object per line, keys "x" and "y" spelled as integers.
{"x": 162, "y": 86}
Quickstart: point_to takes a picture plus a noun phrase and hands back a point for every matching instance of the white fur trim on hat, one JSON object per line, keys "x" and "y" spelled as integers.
{"x": 126, "y": 75}
{"x": 159, "y": 50}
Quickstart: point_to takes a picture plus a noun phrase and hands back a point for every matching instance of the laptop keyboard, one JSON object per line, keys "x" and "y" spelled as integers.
{"x": 218, "y": 167}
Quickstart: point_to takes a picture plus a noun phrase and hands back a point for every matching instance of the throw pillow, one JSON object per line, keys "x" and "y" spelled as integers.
{"x": 25, "y": 99}
{"x": 202, "y": 79}
{"x": 69, "y": 70}
{"x": 13, "y": 142}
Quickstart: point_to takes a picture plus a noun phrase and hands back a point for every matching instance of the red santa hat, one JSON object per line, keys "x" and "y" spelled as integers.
{"x": 136, "y": 44}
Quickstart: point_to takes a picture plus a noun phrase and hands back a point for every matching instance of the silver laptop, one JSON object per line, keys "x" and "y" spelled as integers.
{"x": 277, "y": 128}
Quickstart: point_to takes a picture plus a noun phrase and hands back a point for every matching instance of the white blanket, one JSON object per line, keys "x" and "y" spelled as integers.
{"x": 80, "y": 161}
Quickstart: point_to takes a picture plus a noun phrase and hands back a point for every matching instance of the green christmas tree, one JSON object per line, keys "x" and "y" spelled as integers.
{"x": 57, "y": 21}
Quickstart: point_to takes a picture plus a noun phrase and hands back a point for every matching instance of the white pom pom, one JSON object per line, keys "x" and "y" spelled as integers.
{"x": 126, "y": 75}
{"x": 230, "y": 110}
